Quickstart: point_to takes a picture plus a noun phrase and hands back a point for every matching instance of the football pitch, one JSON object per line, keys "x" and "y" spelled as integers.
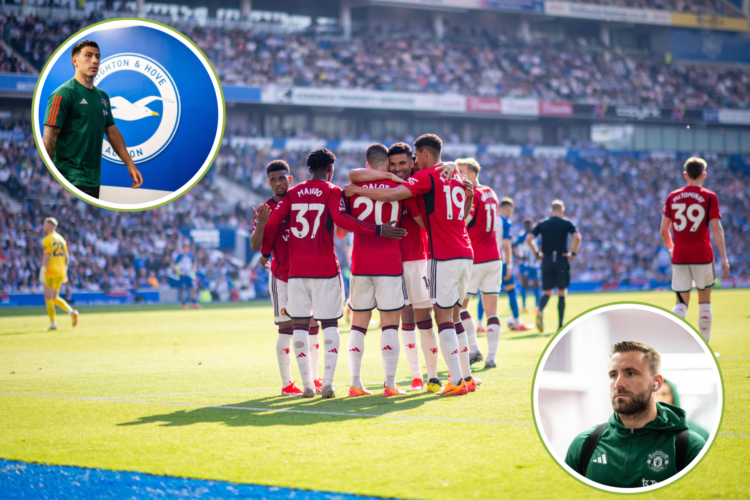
{"x": 196, "y": 394}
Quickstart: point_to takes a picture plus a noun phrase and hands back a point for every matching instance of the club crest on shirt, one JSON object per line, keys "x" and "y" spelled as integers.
{"x": 657, "y": 461}
{"x": 138, "y": 87}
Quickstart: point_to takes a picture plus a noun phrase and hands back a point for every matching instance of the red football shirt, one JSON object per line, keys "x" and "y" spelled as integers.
{"x": 483, "y": 226}
{"x": 691, "y": 209}
{"x": 373, "y": 255}
{"x": 444, "y": 209}
{"x": 280, "y": 246}
{"x": 314, "y": 207}
{"x": 414, "y": 244}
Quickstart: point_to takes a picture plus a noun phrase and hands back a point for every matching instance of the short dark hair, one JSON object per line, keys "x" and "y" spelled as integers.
{"x": 694, "y": 167}
{"x": 400, "y": 148}
{"x": 276, "y": 166}
{"x": 507, "y": 201}
{"x": 529, "y": 220}
{"x": 80, "y": 45}
{"x": 429, "y": 141}
{"x": 319, "y": 159}
{"x": 377, "y": 153}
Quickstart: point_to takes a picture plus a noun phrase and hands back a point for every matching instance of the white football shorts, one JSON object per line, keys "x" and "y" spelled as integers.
{"x": 319, "y": 298}
{"x": 486, "y": 277}
{"x": 416, "y": 276}
{"x": 449, "y": 281}
{"x": 387, "y": 293}
{"x": 685, "y": 275}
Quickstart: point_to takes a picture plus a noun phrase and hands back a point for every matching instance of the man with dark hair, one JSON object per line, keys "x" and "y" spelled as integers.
{"x": 377, "y": 278}
{"x": 644, "y": 442}
{"x": 416, "y": 313}
{"x": 279, "y": 180}
{"x": 315, "y": 287}
{"x": 77, "y": 119}
{"x": 509, "y": 284}
{"x": 555, "y": 258}
{"x": 447, "y": 200}
{"x": 690, "y": 211}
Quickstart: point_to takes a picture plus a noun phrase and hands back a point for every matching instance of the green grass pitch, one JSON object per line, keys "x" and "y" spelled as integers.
{"x": 196, "y": 394}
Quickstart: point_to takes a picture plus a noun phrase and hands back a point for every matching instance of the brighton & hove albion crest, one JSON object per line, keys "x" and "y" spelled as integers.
{"x": 144, "y": 101}
{"x": 658, "y": 461}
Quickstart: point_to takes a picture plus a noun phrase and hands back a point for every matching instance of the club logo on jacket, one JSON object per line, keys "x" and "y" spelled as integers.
{"x": 658, "y": 461}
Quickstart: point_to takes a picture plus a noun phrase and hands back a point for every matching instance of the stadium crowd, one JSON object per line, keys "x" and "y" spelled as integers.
{"x": 703, "y": 7}
{"x": 464, "y": 62}
{"x": 615, "y": 200}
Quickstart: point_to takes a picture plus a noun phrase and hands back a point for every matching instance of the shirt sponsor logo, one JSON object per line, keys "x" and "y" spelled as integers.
{"x": 648, "y": 482}
{"x": 148, "y": 112}
{"x": 657, "y": 461}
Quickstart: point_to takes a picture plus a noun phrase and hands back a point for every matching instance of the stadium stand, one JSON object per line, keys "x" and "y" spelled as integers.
{"x": 703, "y": 7}
{"x": 483, "y": 63}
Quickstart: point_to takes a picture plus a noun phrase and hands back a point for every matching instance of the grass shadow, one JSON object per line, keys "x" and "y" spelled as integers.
{"x": 281, "y": 410}
{"x": 21, "y": 333}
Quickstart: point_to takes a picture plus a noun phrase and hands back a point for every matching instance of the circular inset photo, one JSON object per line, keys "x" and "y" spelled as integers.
{"x": 627, "y": 398}
{"x": 128, "y": 114}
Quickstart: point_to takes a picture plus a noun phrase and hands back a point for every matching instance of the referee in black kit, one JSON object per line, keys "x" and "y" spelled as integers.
{"x": 555, "y": 258}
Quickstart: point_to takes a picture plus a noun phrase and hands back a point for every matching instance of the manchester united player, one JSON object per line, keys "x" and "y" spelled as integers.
{"x": 486, "y": 272}
{"x": 315, "y": 287}
{"x": 376, "y": 280}
{"x": 447, "y": 202}
{"x": 414, "y": 258}
{"x": 279, "y": 180}
{"x": 689, "y": 211}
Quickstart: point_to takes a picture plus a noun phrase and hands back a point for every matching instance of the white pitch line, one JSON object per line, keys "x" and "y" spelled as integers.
{"x": 270, "y": 389}
{"x": 280, "y": 410}
{"x": 732, "y": 357}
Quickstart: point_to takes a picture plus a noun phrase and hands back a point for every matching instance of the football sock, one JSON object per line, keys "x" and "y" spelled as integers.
{"x": 560, "y": 310}
{"x": 301, "y": 352}
{"x": 60, "y": 302}
{"x": 493, "y": 337}
{"x": 705, "y": 317}
{"x": 513, "y": 299}
{"x": 409, "y": 340}
{"x": 314, "y": 346}
{"x": 523, "y": 296}
{"x": 537, "y": 296}
{"x": 543, "y": 302}
{"x": 429, "y": 342}
{"x": 480, "y": 309}
{"x": 449, "y": 346}
{"x": 389, "y": 350}
{"x": 356, "y": 348}
{"x": 283, "y": 344}
{"x": 680, "y": 310}
{"x": 463, "y": 351}
{"x": 50, "y": 310}
{"x": 471, "y": 330}
{"x": 331, "y": 344}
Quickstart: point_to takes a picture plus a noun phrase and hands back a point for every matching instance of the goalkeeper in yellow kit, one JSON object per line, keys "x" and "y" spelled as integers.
{"x": 54, "y": 272}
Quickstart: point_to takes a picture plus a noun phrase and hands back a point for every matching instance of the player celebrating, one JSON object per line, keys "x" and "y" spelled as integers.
{"x": 184, "y": 264}
{"x": 279, "y": 180}
{"x": 486, "y": 271}
{"x": 54, "y": 272}
{"x": 690, "y": 211}
{"x": 529, "y": 266}
{"x": 315, "y": 286}
{"x": 447, "y": 202}
{"x": 376, "y": 280}
{"x": 509, "y": 284}
{"x": 77, "y": 119}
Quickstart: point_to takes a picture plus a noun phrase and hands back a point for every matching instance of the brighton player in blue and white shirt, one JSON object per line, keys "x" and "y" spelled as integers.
{"x": 509, "y": 285}
{"x": 529, "y": 266}
{"x": 184, "y": 264}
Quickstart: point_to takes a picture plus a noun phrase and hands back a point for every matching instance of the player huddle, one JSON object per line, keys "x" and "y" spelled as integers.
{"x": 448, "y": 251}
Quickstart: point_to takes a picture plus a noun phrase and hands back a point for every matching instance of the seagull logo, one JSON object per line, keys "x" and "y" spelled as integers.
{"x": 122, "y": 109}
{"x": 140, "y": 81}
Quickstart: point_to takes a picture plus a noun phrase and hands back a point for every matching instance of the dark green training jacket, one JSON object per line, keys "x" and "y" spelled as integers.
{"x": 633, "y": 458}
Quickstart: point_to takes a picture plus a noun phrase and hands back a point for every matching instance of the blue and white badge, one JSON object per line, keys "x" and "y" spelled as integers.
{"x": 166, "y": 102}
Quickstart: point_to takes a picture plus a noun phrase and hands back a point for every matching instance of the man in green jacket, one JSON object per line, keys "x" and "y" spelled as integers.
{"x": 668, "y": 394}
{"x": 644, "y": 442}
{"x": 77, "y": 119}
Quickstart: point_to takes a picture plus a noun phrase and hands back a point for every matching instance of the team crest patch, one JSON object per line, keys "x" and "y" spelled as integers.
{"x": 658, "y": 461}
{"x": 147, "y": 83}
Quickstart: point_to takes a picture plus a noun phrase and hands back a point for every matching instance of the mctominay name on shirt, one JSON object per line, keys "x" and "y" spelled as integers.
{"x": 688, "y": 194}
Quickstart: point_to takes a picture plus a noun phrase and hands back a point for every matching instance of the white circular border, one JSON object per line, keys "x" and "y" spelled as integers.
{"x": 117, "y": 25}
{"x": 538, "y": 417}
